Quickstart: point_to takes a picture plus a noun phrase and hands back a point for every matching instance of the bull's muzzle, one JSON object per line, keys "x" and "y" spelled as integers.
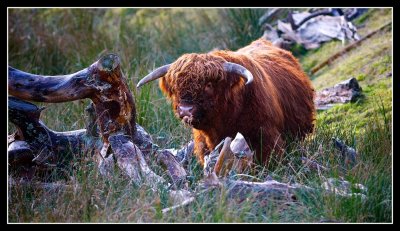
{"x": 185, "y": 111}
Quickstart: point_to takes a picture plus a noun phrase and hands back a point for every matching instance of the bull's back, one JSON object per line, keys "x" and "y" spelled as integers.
{"x": 293, "y": 87}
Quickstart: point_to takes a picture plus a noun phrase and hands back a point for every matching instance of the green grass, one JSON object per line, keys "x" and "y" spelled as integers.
{"x": 60, "y": 41}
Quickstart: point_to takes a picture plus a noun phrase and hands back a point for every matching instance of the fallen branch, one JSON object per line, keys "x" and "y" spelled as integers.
{"x": 131, "y": 161}
{"x": 180, "y": 199}
{"x": 112, "y": 111}
{"x": 269, "y": 190}
{"x": 229, "y": 156}
{"x": 36, "y": 144}
{"x": 175, "y": 171}
{"x": 347, "y": 49}
{"x": 103, "y": 82}
{"x": 37, "y": 185}
{"x": 312, "y": 15}
{"x": 236, "y": 157}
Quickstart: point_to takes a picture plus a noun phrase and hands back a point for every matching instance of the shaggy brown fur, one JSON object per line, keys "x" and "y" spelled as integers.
{"x": 279, "y": 101}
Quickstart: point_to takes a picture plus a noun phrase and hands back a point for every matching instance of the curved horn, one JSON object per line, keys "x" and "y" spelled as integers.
{"x": 240, "y": 70}
{"x": 157, "y": 73}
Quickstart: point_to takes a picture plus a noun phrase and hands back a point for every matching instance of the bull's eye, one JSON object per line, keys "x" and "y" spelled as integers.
{"x": 209, "y": 89}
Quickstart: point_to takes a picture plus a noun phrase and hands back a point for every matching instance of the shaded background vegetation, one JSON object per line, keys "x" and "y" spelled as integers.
{"x": 61, "y": 41}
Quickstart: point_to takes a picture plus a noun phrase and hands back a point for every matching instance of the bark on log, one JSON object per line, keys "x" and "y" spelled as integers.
{"x": 175, "y": 171}
{"x": 103, "y": 82}
{"x": 235, "y": 156}
{"x": 225, "y": 159}
{"x": 36, "y": 143}
{"x": 263, "y": 192}
{"x": 130, "y": 160}
{"x": 185, "y": 153}
{"x": 45, "y": 186}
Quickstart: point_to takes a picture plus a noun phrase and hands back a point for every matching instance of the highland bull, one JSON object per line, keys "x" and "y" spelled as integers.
{"x": 259, "y": 90}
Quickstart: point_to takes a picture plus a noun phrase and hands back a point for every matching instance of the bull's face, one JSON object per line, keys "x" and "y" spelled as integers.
{"x": 196, "y": 109}
{"x": 198, "y": 84}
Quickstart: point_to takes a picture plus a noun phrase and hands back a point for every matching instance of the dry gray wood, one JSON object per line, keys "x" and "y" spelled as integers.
{"x": 34, "y": 143}
{"x": 130, "y": 159}
{"x": 174, "y": 169}
{"x": 103, "y": 82}
{"x": 347, "y": 49}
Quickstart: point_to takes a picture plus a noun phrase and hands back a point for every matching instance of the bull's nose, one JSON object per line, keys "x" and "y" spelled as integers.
{"x": 185, "y": 111}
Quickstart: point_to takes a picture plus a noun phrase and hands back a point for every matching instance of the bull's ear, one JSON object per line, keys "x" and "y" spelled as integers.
{"x": 165, "y": 87}
{"x": 234, "y": 80}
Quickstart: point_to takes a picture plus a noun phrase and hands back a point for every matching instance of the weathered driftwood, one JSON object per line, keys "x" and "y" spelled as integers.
{"x": 127, "y": 155}
{"x": 310, "y": 29}
{"x": 295, "y": 25}
{"x": 347, "y": 49}
{"x": 112, "y": 112}
{"x": 45, "y": 186}
{"x": 344, "y": 188}
{"x": 185, "y": 154}
{"x": 35, "y": 144}
{"x": 323, "y": 28}
{"x": 235, "y": 156}
{"x": 228, "y": 156}
{"x": 130, "y": 160}
{"x": 175, "y": 171}
{"x": 262, "y": 192}
{"x": 103, "y": 82}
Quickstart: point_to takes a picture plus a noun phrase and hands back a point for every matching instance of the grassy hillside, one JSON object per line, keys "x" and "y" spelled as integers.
{"x": 60, "y": 41}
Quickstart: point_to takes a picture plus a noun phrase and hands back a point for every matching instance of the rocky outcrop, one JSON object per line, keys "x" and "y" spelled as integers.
{"x": 343, "y": 92}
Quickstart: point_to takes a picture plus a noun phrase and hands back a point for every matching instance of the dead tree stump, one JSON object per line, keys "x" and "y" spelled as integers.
{"x": 103, "y": 82}
{"x": 111, "y": 127}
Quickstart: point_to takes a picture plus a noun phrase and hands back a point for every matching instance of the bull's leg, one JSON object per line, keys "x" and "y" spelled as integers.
{"x": 200, "y": 146}
{"x": 271, "y": 147}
